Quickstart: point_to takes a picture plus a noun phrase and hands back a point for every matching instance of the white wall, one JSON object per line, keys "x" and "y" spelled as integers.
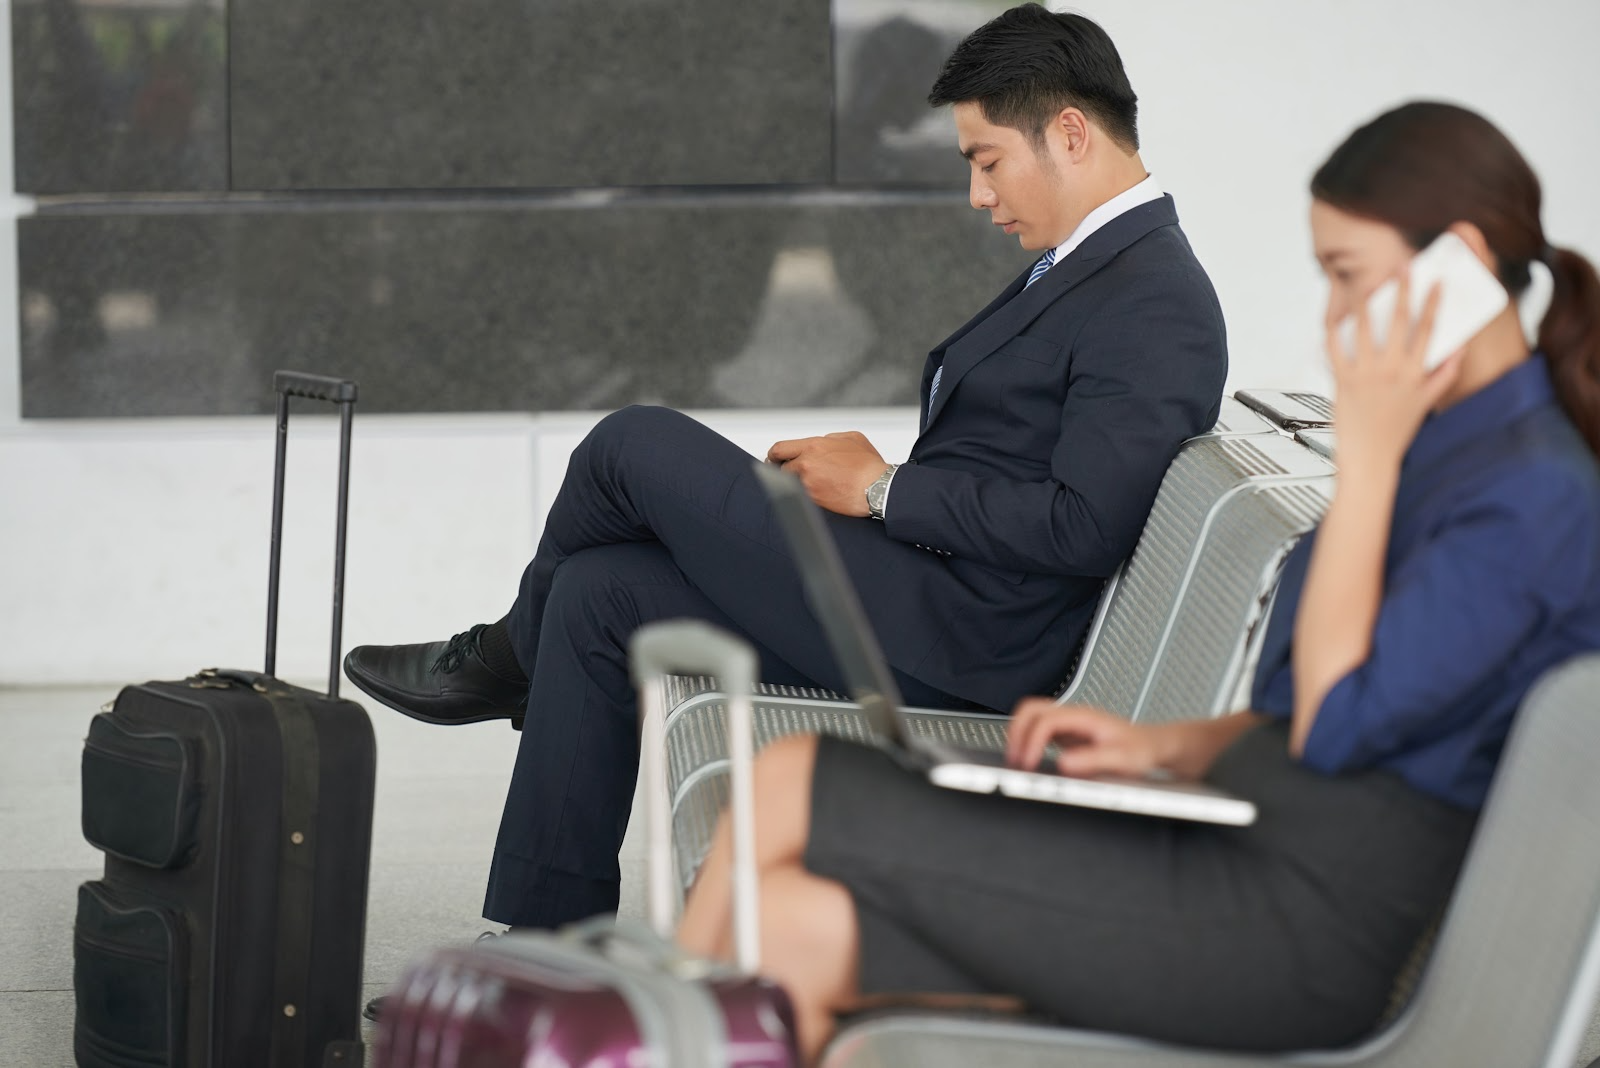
{"x": 134, "y": 550}
{"x": 1241, "y": 100}
{"x": 137, "y": 549}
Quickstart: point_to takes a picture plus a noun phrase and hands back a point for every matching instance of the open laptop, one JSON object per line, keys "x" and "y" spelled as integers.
{"x": 872, "y": 686}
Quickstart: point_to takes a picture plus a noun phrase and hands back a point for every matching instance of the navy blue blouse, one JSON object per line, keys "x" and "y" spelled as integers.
{"x": 1492, "y": 576}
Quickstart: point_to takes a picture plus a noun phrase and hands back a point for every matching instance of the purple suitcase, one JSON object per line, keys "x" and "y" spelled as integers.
{"x": 604, "y": 994}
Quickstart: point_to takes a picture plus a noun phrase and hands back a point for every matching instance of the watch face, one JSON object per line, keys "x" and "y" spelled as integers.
{"x": 876, "y": 493}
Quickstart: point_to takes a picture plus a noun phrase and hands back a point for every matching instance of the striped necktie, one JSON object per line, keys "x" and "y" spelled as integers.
{"x": 1046, "y": 261}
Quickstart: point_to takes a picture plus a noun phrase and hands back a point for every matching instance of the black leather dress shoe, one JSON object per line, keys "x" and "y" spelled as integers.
{"x": 374, "y": 1008}
{"x": 438, "y": 682}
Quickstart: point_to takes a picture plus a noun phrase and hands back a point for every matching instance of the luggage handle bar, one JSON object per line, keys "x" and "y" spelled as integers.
{"x": 314, "y": 387}
{"x": 343, "y": 393}
{"x": 691, "y": 647}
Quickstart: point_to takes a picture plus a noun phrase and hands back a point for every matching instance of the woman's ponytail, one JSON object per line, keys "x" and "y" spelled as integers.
{"x": 1569, "y": 337}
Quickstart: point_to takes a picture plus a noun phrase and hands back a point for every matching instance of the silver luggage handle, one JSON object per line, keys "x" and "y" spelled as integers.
{"x": 691, "y": 647}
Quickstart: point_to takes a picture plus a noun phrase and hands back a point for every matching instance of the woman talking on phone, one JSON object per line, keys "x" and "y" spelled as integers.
{"x": 1458, "y": 560}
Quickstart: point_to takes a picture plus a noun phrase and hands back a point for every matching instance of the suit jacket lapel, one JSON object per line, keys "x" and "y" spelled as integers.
{"x": 936, "y": 354}
{"x": 1010, "y": 313}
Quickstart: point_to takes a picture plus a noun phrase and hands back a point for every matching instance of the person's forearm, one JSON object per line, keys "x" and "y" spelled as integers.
{"x": 1343, "y": 589}
{"x": 1044, "y": 527}
{"x": 1189, "y": 748}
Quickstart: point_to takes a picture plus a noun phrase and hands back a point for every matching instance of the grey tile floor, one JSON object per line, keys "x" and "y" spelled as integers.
{"x": 438, "y": 806}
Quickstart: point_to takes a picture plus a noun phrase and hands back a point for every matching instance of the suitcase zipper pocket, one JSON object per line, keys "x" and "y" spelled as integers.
{"x": 130, "y": 978}
{"x": 127, "y": 758}
{"x": 141, "y": 798}
{"x": 105, "y": 945}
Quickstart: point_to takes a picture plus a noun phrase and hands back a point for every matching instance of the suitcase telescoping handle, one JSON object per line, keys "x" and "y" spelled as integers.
{"x": 343, "y": 393}
{"x": 690, "y": 647}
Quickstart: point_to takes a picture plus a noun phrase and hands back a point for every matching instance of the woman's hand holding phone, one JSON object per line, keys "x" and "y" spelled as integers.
{"x": 1383, "y": 389}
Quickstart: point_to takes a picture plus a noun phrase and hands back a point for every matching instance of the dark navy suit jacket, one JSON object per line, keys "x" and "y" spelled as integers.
{"x": 1060, "y": 406}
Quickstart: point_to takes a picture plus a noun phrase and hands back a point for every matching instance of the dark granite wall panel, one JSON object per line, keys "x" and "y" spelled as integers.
{"x": 418, "y": 94}
{"x": 887, "y": 55}
{"x": 113, "y": 96}
{"x": 513, "y": 305}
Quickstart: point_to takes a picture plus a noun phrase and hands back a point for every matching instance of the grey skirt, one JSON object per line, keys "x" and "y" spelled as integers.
{"x": 1287, "y": 934}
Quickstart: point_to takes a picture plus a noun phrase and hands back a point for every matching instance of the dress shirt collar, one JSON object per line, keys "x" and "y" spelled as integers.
{"x": 1499, "y": 404}
{"x": 1124, "y": 201}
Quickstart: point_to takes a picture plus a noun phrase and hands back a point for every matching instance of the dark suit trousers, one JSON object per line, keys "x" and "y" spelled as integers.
{"x": 658, "y": 518}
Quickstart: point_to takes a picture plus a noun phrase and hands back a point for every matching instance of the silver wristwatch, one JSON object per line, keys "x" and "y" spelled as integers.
{"x": 878, "y": 492}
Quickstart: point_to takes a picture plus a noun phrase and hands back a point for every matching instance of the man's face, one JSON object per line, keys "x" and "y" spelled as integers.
{"x": 1021, "y": 188}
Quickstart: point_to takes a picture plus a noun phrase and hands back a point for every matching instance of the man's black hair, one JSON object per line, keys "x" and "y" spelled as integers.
{"x": 1027, "y": 65}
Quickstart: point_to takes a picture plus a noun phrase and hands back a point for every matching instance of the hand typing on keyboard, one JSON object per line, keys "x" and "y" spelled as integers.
{"x": 1092, "y": 742}
{"x": 1095, "y": 742}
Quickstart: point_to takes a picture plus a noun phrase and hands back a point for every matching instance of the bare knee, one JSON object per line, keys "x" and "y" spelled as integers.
{"x": 783, "y": 798}
{"x": 786, "y": 763}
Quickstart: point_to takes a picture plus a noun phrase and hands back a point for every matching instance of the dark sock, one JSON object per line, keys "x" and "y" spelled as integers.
{"x": 495, "y": 641}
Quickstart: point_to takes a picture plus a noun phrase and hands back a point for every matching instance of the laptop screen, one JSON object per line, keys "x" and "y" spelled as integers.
{"x": 833, "y": 600}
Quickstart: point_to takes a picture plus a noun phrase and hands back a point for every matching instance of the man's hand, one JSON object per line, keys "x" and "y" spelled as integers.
{"x": 836, "y": 469}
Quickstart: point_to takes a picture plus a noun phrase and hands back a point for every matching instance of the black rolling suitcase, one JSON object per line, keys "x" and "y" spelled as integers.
{"x": 235, "y": 812}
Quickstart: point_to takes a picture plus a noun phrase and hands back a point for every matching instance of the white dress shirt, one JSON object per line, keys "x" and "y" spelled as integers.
{"x": 1125, "y": 201}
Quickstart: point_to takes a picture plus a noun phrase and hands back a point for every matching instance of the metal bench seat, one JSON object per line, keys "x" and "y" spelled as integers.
{"x": 697, "y": 764}
{"x": 1172, "y": 636}
{"x": 1173, "y": 639}
{"x": 1318, "y": 439}
{"x": 700, "y": 737}
{"x": 1289, "y": 411}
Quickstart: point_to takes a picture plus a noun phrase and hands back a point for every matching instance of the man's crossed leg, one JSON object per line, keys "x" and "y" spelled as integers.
{"x": 658, "y": 518}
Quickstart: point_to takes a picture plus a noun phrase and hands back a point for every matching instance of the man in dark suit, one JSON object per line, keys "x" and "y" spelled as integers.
{"x": 1047, "y": 424}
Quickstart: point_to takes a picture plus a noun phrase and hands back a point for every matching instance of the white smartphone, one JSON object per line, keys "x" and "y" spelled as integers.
{"x": 1469, "y": 299}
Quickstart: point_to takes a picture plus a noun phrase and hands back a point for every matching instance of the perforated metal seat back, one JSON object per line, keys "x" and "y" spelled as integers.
{"x": 697, "y": 723}
{"x": 698, "y": 780}
{"x": 1169, "y": 642}
{"x": 1205, "y": 654}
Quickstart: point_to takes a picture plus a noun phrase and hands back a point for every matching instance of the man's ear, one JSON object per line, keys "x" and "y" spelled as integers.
{"x": 1073, "y": 127}
{"x": 1469, "y": 233}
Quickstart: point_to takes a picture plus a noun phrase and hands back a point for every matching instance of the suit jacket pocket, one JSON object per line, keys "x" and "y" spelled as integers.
{"x": 1034, "y": 349}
